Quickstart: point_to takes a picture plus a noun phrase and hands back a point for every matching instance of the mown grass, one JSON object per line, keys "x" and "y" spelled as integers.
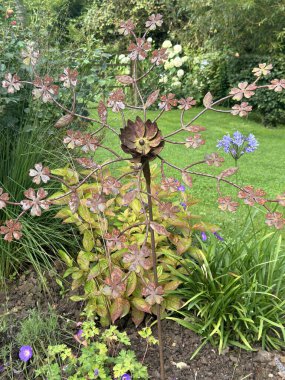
{"x": 263, "y": 169}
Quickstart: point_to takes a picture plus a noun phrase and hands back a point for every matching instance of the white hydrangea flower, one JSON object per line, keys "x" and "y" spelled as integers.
{"x": 124, "y": 58}
{"x": 171, "y": 53}
{"x": 169, "y": 65}
{"x": 163, "y": 79}
{"x": 149, "y": 39}
{"x": 177, "y": 49}
{"x": 177, "y": 62}
{"x": 166, "y": 44}
{"x": 180, "y": 73}
{"x": 176, "y": 84}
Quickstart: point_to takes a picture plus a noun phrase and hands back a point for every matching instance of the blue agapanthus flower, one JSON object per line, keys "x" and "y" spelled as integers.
{"x": 238, "y": 145}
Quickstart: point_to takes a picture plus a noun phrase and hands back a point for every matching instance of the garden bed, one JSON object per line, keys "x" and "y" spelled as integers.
{"x": 236, "y": 364}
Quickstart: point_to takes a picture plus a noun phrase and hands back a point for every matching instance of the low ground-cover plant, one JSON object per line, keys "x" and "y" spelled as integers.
{"x": 101, "y": 356}
{"x": 235, "y": 291}
{"x": 87, "y": 191}
{"x": 34, "y": 334}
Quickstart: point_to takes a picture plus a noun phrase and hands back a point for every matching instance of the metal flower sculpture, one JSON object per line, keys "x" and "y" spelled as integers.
{"x": 129, "y": 274}
{"x": 143, "y": 140}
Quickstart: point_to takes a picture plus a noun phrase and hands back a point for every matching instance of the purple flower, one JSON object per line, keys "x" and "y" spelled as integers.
{"x": 2, "y": 368}
{"x": 218, "y": 236}
{"x": 25, "y": 353}
{"x": 203, "y": 236}
{"x": 238, "y": 144}
{"x": 79, "y": 334}
{"x": 252, "y": 143}
{"x": 181, "y": 188}
{"x": 183, "y": 204}
{"x": 96, "y": 372}
{"x": 126, "y": 376}
{"x": 238, "y": 138}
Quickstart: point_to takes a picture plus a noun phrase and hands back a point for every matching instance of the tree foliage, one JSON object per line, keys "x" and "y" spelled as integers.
{"x": 212, "y": 24}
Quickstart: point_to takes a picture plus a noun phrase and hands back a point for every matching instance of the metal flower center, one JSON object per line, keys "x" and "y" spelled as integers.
{"x": 141, "y": 142}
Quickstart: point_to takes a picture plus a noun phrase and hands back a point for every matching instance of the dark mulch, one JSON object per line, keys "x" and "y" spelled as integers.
{"x": 27, "y": 293}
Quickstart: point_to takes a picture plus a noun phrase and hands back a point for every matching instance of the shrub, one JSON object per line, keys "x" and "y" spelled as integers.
{"x": 235, "y": 292}
{"x": 116, "y": 240}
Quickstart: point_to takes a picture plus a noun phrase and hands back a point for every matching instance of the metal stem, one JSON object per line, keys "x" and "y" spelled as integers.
{"x": 147, "y": 176}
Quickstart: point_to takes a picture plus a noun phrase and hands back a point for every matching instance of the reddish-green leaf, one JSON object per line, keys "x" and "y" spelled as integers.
{"x": 141, "y": 304}
{"x": 137, "y": 316}
{"x": 161, "y": 230}
{"x": 116, "y": 309}
{"x": 129, "y": 197}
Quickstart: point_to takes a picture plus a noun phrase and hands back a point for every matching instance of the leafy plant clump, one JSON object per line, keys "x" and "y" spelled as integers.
{"x": 115, "y": 266}
{"x": 235, "y": 293}
{"x": 101, "y": 356}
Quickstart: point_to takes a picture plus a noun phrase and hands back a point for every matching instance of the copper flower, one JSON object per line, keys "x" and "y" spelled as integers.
{"x": 141, "y": 140}
{"x": 12, "y": 230}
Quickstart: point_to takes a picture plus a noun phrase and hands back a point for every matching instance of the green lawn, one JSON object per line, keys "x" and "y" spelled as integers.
{"x": 264, "y": 168}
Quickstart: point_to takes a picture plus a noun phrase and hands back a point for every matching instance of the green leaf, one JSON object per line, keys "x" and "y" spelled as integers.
{"x": 65, "y": 257}
{"x": 173, "y": 303}
{"x": 70, "y": 271}
{"x": 131, "y": 283}
{"x": 77, "y": 298}
{"x": 88, "y": 240}
{"x": 85, "y": 214}
{"x": 90, "y": 286}
{"x": 83, "y": 261}
{"x": 98, "y": 269}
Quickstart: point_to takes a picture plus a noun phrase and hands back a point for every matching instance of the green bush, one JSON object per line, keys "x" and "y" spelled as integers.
{"x": 114, "y": 268}
{"x": 235, "y": 292}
